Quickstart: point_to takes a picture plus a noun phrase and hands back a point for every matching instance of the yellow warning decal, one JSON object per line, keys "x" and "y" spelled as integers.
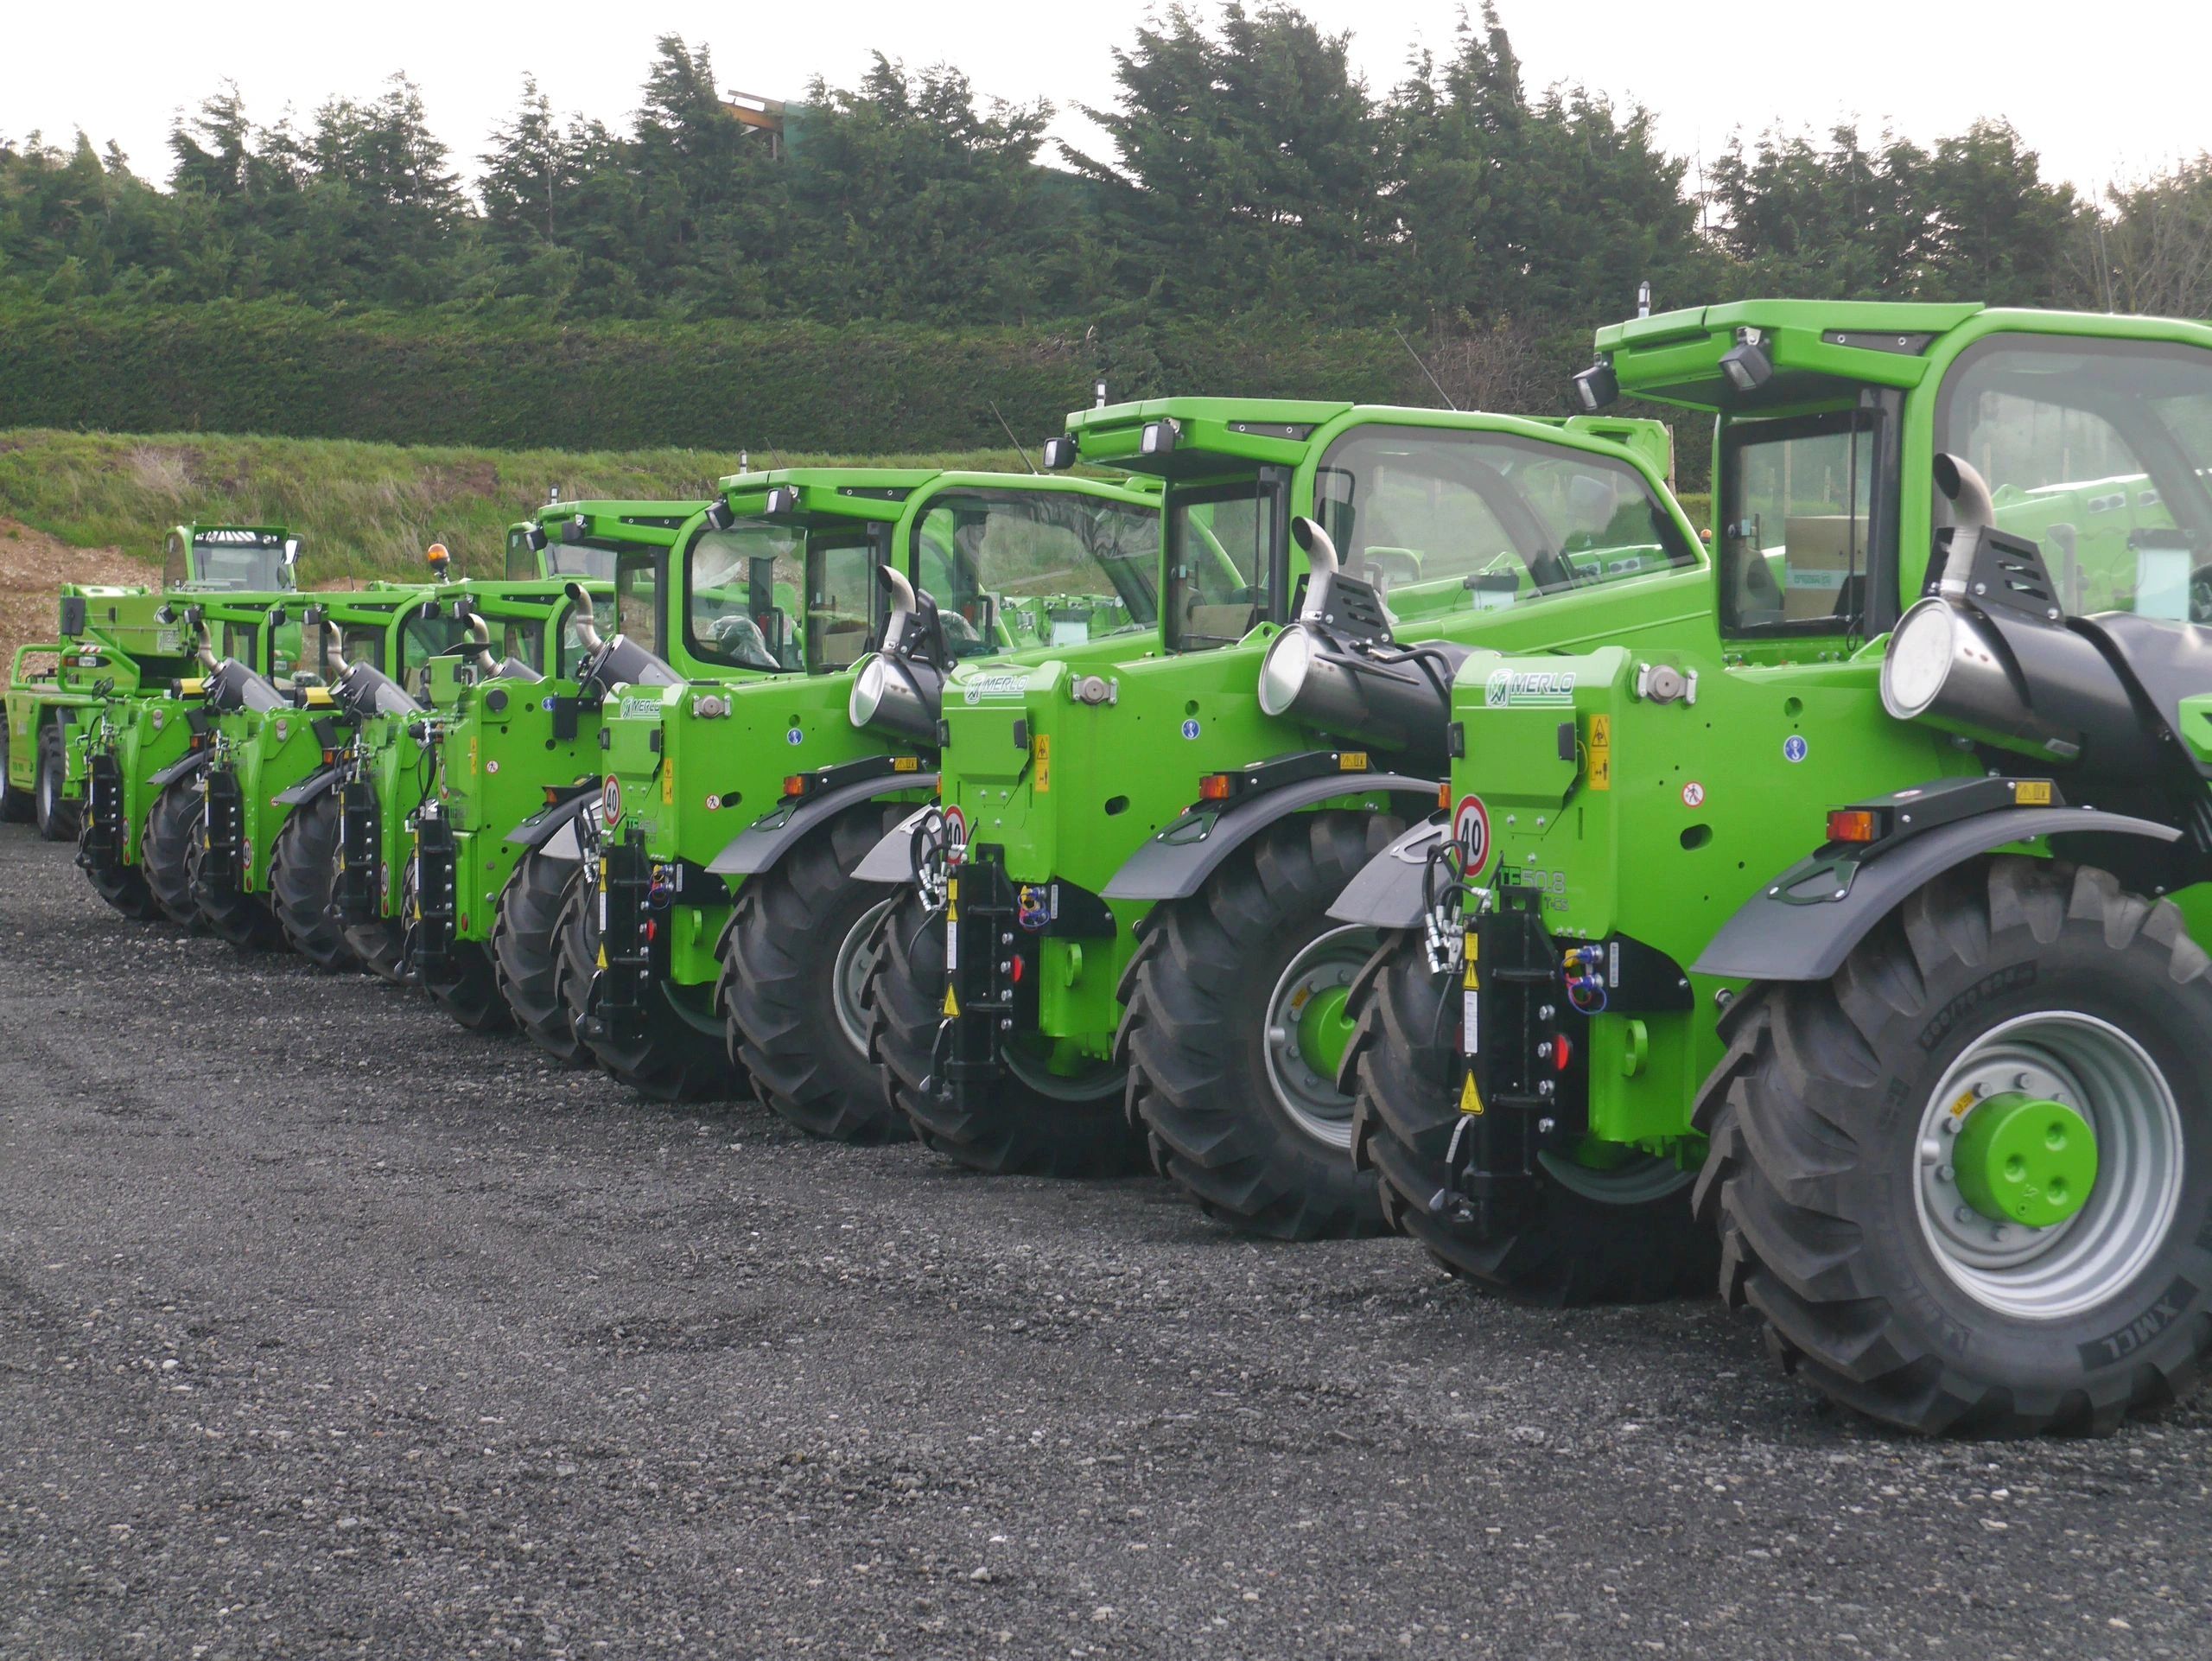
{"x": 1352, "y": 761}
{"x": 602, "y": 955}
{"x": 1964, "y": 1105}
{"x": 1601, "y": 753}
{"x": 952, "y": 899}
{"x": 905, "y": 763}
{"x": 1470, "y": 1101}
{"x": 2032, "y": 792}
{"x": 1471, "y": 982}
{"x": 952, "y": 1004}
{"x": 1042, "y": 749}
{"x": 667, "y": 785}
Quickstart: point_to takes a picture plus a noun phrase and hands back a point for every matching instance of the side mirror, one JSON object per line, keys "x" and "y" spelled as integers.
{"x": 72, "y": 614}
{"x": 1059, "y": 455}
{"x": 291, "y": 552}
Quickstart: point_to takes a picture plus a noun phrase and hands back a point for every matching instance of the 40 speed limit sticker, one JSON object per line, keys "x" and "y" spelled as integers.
{"x": 1471, "y": 830}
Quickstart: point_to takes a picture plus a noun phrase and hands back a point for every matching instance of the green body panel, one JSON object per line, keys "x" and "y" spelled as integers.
{"x": 1118, "y": 774}
{"x": 1636, "y": 857}
{"x": 689, "y": 782}
{"x": 1699, "y": 804}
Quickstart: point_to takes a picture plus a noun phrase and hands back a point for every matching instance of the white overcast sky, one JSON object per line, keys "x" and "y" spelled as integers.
{"x": 2101, "y": 94}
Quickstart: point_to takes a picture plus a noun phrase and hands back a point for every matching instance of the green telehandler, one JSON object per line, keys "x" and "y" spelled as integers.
{"x": 1853, "y": 947}
{"x": 129, "y": 644}
{"x": 1088, "y": 961}
{"x": 717, "y": 938}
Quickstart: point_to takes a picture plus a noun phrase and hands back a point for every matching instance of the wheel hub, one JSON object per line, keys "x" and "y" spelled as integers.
{"x": 1323, "y": 1033}
{"x": 2025, "y": 1159}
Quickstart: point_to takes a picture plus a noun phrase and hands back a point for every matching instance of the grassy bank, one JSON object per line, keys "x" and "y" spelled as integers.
{"x": 365, "y": 509}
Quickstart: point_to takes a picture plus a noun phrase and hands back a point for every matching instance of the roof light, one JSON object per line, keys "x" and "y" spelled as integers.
{"x": 1158, "y": 438}
{"x": 1059, "y": 455}
{"x": 1747, "y": 364}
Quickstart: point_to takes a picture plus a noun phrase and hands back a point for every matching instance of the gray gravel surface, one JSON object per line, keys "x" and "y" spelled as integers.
{"x": 326, "y": 1327}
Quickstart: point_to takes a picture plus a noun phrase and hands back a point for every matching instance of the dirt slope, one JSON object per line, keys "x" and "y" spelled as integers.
{"x": 33, "y": 567}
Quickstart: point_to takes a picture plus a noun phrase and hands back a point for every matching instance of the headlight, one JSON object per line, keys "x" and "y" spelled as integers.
{"x": 868, "y": 692}
{"x": 1283, "y": 671}
{"x": 1922, "y": 651}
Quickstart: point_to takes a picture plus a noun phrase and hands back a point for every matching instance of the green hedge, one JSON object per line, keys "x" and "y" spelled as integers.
{"x": 293, "y": 371}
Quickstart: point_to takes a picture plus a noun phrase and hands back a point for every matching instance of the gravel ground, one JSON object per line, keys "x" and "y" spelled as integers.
{"x": 357, "y": 1333}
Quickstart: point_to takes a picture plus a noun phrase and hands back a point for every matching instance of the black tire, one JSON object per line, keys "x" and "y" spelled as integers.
{"x": 674, "y": 1057}
{"x": 525, "y": 953}
{"x": 1633, "y": 1240}
{"x": 165, "y": 850}
{"x": 303, "y": 866}
{"x": 124, "y": 886}
{"x": 56, "y": 815}
{"x": 468, "y": 990}
{"x": 1198, "y": 997}
{"x": 797, "y": 931}
{"x": 1820, "y": 1116}
{"x": 15, "y": 804}
{"x": 1020, "y": 1129}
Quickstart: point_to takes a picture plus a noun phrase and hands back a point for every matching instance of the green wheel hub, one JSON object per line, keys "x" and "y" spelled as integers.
{"x": 2022, "y": 1158}
{"x": 1324, "y": 1031}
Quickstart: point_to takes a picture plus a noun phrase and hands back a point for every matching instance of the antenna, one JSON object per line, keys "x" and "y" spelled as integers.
{"x": 1425, "y": 369}
{"x": 1010, "y": 438}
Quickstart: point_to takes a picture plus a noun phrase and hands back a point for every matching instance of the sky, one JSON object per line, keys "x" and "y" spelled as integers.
{"x": 2113, "y": 104}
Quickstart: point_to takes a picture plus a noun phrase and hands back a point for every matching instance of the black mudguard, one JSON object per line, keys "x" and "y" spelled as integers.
{"x": 194, "y": 762}
{"x": 1389, "y": 892}
{"x": 540, "y": 827}
{"x": 1176, "y": 863}
{"x": 318, "y": 783}
{"x": 891, "y": 860}
{"x": 767, "y": 839}
{"x": 1802, "y": 925}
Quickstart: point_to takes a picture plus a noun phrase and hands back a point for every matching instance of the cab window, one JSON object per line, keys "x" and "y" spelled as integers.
{"x": 2098, "y": 452}
{"x": 840, "y": 598}
{"x": 638, "y": 575}
{"x": 739, "y": 588}
{"x": 1442, "y": 520}
{"x": 1013, "y": 569}
{"x": 1796, "y": 522}
{"x": 1225, "y": 559}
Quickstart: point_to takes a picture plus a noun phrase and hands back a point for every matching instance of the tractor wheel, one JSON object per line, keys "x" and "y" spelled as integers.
{"x": 56, "y": 815}
{"x": 380, "y": 947}
{"x": 1967, "y": 1181}
{"x": 1621, "y": 1234}
{"x": 1235, "y": 1025}
{"x": 15, "y": 804}
{"x": 794, "y": 962}
{"x": 243, "y": 919}
{"x": 165, "y": 849}
{"x": 1036, "y": 1122}
{"x": 302, "y": 867}
{"x": 123, "y": 886}
{"x": 677, "y": 1055}
{"x": 525, "y": 953}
